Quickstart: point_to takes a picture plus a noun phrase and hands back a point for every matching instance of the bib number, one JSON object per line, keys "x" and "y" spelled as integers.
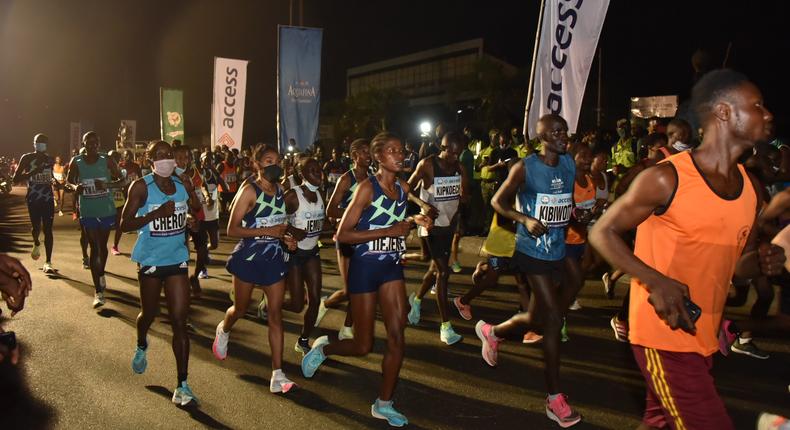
{"x": 554, "y": 209}
{"x": 169, "y": 226}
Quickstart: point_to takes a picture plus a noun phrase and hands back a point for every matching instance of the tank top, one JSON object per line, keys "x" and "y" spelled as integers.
{"x": 696, "y": 241}
{"x": 443, "y": 194}
{"x": 211, "y": 213}
{"x": 161, "y": 241}
{"x": 583, "y": 198}
{"x": 39, "y": 185}
{"x": 59, "y": 172}
{"x": 500, "y": 241}
{"x": 381, "y": 213}
{"x": 228, "y": 174}
{"x": 267, "y": 211}
{"x": 310, "y": 218}
{"x": 603, "y": 193}
{"x": 547, "y": 195}
{"x": 350, "y": 193}
{"x": 94, "y": 203}
{"x": 197, "y": 183}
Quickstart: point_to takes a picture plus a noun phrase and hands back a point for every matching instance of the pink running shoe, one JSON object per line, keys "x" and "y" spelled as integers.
{"x": 620, "y": 329}
{"x": 531, "y": 337}
{"x": 490, "y": 342}
{"x": 726, "y": 337}
{"x": 464, "y": 310}
{"x": 560, "y": 411}
{"x": 114, "y": 250}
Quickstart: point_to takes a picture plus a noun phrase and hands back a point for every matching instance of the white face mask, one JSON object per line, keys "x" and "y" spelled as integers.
{"x": 164, "y": 168}
{"x": 310, "y": 186}
{"x": 680, "y": 146}
{"x": 40, "y": 147}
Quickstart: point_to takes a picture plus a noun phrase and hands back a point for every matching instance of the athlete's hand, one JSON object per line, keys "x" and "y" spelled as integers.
{"x": 534, "y": 226}
{"x": 423, "y": 221}
{"x": 400, "y": 229}
{"x": 297, "y": 233}
{"x": 772, "y": 259}
{"x": 666, "y": 296}
{"x": 277, "y": 231}
{"x": 12, "y": 268}
{"x": 429, "y": 211}
{"x": 167, "y": 209}
{"x": 290, "y": 241}
{"x": 193, "y": 224}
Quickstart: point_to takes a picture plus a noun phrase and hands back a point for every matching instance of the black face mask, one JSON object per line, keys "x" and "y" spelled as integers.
{"x": 272, "y": 173}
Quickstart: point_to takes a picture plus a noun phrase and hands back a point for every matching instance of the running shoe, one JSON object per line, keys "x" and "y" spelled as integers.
{"x": 321, "y": 311}
{"x": 47, "y": 268}
{"x": 620, "y": 329}
{"x": 561, "y": 412}
{"x": 448, "y": 335}
{"x": 114, "y": 250}
{"x": 531, "y": 337}
{"x": 98, "y": 300}
{"x": 85, "y": 264}
{"x": 564, "y": 331}
{"x": 139, "y": 361}
{"x": 433, "y": 289}
{"x": 194, "y": 286}
{"x": 35, "y": 253}
{"x": 385, "y": 411}
{"x": 345, "y": 333}
{"x": 575, "y": 306}
{"x": 608, "y": 287}
{"x": 748, "y": 348}
{"x": 456, "y": 267}
{"x": 464, "y": 310}
{"x": 203, "y": 274}
{"x": 262, "y": 314}
{"x": 768, "y": 421}
{"x": 414, "y": 312}
{"x": 302, "y": 345}
{"x": 220, "y": 345}
{"x": 60, "y": 213}
{"x": 280, "y": 383}
{"x": 726, "y": 337}
{"x": 313, "y": 359}
{"x": 74, "y": 216}
{"x": 183, "y": 395}
{"x": 490, "y": 342}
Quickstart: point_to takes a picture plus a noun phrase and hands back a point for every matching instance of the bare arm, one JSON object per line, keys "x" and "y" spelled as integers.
{"x": 502, "y": 202}
{"x": 422, "y": 173}
{"x": 333, "y": 208}
{"x": 72, "y": 179}
{"x": 22, "y": 172}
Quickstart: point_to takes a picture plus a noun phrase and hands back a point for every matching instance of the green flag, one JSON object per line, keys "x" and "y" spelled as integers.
{"x": 171, "y": 112}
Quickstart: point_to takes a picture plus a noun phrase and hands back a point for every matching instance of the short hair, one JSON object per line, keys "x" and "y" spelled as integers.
{"x": 381, "y": 139}
{"x": 88, "y": 135}
{"x": 680, "y": 123}
{"x": 356, "y": 145}
{"x": 653, "y": 138}
{"x": 712, "y": 88}
{"x": 152, "y": 145}
{"x": 262, "y": 149}
{"x": 454, "y": 137}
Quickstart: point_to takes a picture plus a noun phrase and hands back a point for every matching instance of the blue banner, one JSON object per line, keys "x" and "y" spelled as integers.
{"x": 298, "y": 87}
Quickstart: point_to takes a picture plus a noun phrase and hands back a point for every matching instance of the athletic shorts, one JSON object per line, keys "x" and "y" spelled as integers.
{"x": 209, "y": 225}
{"x": 263, "y": 272}
{"x": 41, "y": 210}
{"x": 439, "y": 243}
{"x": 366, "y": 275}
{"x": 680, "y": 390}
{"x": 163, "y": 272}
{"x": 532, "y": 266}
{"x": 575, "y": 251}
{"x": 346, "y": 250}
{"x": 301, "y": 256}
{"x": 101, "y": 223}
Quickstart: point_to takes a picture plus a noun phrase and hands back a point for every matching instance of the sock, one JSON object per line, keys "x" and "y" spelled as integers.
{"x": 447, "y": 325}
{"x": 383, "y": 403}
{"x": 552, "y": 397}
{"x": 182, "y": 378}
{"x": 745, "y": 339}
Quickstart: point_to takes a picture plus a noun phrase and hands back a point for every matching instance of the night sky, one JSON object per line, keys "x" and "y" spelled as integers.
{"x": 105, "y": 60}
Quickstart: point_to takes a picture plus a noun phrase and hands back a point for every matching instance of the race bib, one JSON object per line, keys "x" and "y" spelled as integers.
{"x": 230, "y": 177}
{"x": 59, "y": 176}
{"x": 269, "y": 221}
{"x": 43, "y": 177}
{"x": 171, "y": 225}
{"x": 554, "y": 209}
{"x": 447, "y": 188}
{"x": 315, "y": 222}
{"x": 386, "y": 245}
{"x": 118, "y": 196}
{"x": 89, "y": 188}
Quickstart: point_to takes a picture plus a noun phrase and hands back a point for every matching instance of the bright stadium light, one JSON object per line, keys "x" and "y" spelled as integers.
{"x": 290, "y": 148}
{"x": 425, "y": 127}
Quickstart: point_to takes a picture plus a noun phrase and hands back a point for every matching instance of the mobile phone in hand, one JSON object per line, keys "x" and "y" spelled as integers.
{"x": 693, "y": 312}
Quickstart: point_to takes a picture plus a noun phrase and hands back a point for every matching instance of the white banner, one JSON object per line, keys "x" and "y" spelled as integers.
{"x": 230, "y": 86}
{"x": 568, "y": 39}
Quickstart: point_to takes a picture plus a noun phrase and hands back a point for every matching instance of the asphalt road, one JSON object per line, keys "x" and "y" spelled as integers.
{"x": 75, "y": 370}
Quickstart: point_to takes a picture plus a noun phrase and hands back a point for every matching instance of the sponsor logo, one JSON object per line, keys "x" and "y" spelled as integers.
{"x": 226, "y": 140}
{"x": 302, "y": 92}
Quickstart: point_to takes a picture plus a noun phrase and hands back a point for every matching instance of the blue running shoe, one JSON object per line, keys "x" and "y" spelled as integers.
{"x": 414, "y": 312}
{"x": 183, "y": 395}
{"x": 313, "y": 359}
{"x": 139, "y": 362}
{"x": 387, "y": 412}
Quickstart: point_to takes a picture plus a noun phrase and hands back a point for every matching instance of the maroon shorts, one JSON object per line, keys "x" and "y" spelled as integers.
{"x": 680, "y": 391}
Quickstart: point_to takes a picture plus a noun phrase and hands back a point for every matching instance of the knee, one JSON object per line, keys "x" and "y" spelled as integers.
{"x": 443, "y": 275}
{"x": 362, "y": 346}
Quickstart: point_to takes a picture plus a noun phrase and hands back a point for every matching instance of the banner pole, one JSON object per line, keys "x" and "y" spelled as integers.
{"x": 598, "y": 116}
{"x": 277, "y": 84}
{"x": 161, "y": 124}
{"x": 532, "y": 69}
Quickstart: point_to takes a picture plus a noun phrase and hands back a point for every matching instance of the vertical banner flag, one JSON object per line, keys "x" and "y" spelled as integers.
{"x": 298, "y": 86}
{"x": 128, "y": 133}
{"x": 75, "y": 137}
{"x": 171, "y": 114}
{"x": 227, "y": 114}
{"x": 568, "y": 39}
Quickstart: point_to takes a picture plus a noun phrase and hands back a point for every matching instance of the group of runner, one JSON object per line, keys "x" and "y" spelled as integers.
{"x": 543, "y": 211}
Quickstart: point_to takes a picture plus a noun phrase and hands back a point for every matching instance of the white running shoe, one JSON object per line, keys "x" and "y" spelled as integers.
{"x": 60, "y": 213}
{"x": 203, "y": 274}
{"x": 47, "y": 268}
{"x": 183, "y": 395}
{"x": 345, "y": 333}
{"x": 98, "y": 300}
{"x": 220, "y": 345}
{"x": 321, "y": 311}
{"x": 575, "y": 306}
{"x": 279, "y": 383}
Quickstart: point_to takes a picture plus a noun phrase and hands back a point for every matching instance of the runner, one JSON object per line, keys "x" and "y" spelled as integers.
{"x": 305, "y": 205}
{"x": 36, "y": 167}
{"x": 341, "y": 198}
{"x": 59, "y": 173}
{"x": 131, "y": 172}
{"x": 229, "y": 173}
{"x": 584, "y": 199}
{"x": 543, "y": 184}
{"x": 157, "y": 209}
{"x": 698, "y": 204}
{"x": 211, "y": 209}
{"x": 118, "y": 199}
{"x": 92, "y": 176}
{"x": 375, "y": 222}
{"x": 258, "y": 217}
{"x": 443, "y": 186}
{"x": 188, "y": 174}
{"x": 333, "y": 170}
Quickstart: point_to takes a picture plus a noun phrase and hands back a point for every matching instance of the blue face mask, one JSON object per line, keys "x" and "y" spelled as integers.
{"x": 180, "y": 171}
{"x": 40, "y": 147}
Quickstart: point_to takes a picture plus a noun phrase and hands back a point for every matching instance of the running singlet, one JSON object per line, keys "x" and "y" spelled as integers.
{"x": 228, "y": 175}
{"x": 211, "y": 213}
{"x": 350, "y": 193}
{"x": 197, "y": 183}
{"x": 382, "y": 213}
{"x": 94, "y": 203}
{"x": 59, "y": 173}
{"x": 39, "y": 185}
{"x": 161, "y": 241}
{"x": 584, "y": 198}
{"x": 698, "y": 225}
{"x": 443, "y": 194}
{"x": 547, "y": 195}
{"x": 310, "y": 218}
{"x": 267, "y": 211}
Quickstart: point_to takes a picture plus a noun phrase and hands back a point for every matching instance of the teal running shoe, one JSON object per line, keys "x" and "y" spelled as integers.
{"x": 564, "y": 331}
{"x": 414, "y": 312}
{"x": 387, "y": 412}
{"x": 183, "y": 395}
{"x": 139, "y": 361}
{"x": 313, "y": 359}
